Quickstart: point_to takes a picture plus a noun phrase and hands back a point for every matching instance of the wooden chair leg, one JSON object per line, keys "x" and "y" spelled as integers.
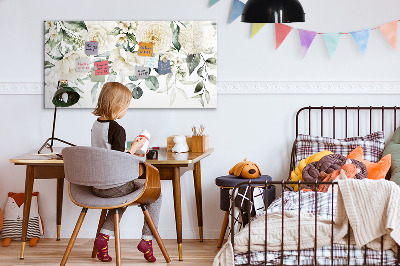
{"x": 117, "y": 238}
{"x": 101, "y": 222}
{"x": 154, "y": 230}
{"x": 223, "y": 229}
{"x": 73, "y": 237}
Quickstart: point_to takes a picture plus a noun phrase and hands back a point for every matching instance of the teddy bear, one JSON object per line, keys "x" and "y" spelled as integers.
{"x": 13, "y": 215}
{"x": 180, "y": 144}
{"x": 245, "y": 169}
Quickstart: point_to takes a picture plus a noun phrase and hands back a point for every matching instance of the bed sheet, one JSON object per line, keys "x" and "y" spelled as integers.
{"x": 324, "y": 206}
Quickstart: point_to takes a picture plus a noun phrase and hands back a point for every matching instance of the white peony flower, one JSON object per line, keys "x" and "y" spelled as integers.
{"x": 125, "y": 62}
{"x": 99, "y": 31}
{"x": 157, "y": 32}
{"x": 124, "y": 26}
{"x": 49, "y": 24}
{"x": 52, "y": 35}
{"x": 178, "y": 58}
{"x": 65, "y": 68}
{"x": 121, "y": 38}
{"x": 198, "y": 37}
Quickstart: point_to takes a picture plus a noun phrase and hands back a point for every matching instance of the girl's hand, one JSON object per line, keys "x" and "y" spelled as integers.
{"x": 137, "y": 144}
{"x": 143, "y": 155}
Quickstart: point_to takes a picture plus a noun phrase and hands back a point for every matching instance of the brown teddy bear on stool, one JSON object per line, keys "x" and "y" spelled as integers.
{"x": 245, "y": 169}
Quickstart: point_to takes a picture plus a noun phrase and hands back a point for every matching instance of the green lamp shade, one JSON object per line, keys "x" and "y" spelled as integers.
{"x": 65, "y": 97}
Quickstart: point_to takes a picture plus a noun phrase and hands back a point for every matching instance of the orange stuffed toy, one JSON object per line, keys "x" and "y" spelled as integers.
{"x": 375, "y": 170}
{"x": 12, "y": 224}
{"x": 245, "y": 169}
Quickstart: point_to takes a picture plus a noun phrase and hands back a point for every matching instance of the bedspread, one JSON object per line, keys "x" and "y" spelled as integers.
{"x": 372, "y": 206}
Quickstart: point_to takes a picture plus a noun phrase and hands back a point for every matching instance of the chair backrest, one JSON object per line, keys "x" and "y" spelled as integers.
{"x": 92, "y": 166}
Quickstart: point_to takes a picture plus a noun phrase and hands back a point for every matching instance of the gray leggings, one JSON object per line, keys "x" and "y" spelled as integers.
{"x": 154, "y": 208}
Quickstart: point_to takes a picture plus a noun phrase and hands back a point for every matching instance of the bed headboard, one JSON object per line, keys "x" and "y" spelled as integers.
{"x": 344, "y": 121}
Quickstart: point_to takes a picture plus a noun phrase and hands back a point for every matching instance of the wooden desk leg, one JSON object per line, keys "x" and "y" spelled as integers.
{"x": 199, "y": 204}
{"x": 60, "y": 190}
{"x": 176, "y": 183}
{"x": 27, "y": 206}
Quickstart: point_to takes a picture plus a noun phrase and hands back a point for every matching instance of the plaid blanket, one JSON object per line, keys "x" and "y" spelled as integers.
{"x": 324, "y": 257}
{"x": 306, "y": 201}
{"x": 323, "y": 205}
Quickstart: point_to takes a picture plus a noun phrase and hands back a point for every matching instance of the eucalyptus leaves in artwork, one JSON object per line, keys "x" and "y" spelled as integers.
{"x": 190, "y": 47}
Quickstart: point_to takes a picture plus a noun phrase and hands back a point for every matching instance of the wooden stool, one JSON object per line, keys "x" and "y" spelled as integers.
{"x": 226, "y": 183}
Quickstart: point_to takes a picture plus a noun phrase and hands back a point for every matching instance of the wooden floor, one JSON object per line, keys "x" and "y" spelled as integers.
{"x": 50, "y": 252}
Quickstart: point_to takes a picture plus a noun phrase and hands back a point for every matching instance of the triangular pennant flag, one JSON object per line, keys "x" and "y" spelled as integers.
{"x": 237, "y": 9}
{"x": 213, "y": 2}
{"x": 361, "y": 37}
{"x": 306, "y": 39}
{"x": 332, "y": 41}
{"x": 255, "y": 28}
{"x": 389, "y": 30}
{"x": 281, "y": 31}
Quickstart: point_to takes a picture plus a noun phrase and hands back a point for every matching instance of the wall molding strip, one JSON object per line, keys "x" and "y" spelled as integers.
{"x": 310, "y": 87}
{"x": 259, "y": 87}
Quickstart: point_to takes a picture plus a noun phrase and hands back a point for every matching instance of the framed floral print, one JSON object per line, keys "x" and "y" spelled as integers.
{"x": 166, "y": 64}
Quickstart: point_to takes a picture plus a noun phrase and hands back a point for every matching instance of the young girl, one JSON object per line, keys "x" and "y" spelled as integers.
{"x": 112, "y": 104}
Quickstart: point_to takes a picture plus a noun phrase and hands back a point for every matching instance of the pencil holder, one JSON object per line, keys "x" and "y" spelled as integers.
{"x": 200, "y": 143}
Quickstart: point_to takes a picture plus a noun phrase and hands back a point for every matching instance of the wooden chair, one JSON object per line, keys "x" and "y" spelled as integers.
{"x": 85, "y": 167}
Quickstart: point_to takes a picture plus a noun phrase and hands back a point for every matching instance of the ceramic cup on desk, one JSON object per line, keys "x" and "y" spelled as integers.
{"x": 152, "y": 155}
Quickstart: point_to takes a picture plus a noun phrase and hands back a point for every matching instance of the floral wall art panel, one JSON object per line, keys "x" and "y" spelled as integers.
{"x": 166, "y": 64}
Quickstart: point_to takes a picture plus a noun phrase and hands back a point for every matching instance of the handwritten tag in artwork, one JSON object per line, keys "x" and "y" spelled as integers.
{"x": 95, "y": 78}
{"x": 91, "y": 48}
{"x": 151, "y": 62}
{"x": 145, "y": 49}
{"x": 101, "y": 68}
{"x": 82, "y": 65}
{"x": 142, "y": 72}
{"x": 164, "y": 67}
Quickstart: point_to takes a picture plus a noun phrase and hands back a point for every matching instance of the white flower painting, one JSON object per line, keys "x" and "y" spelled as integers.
{"x": 189, "y": 48}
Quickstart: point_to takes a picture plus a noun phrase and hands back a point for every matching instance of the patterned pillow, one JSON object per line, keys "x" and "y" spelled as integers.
{"x": 372, "y": 144}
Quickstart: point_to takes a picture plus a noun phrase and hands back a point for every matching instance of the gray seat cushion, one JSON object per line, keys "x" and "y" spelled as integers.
{"x": 83, "y": 196}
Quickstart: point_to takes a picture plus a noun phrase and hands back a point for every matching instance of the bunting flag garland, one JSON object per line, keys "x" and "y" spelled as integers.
{"x": 256, "y": 28}
{"x": 332, "y": 41}
{"x": 213, "y": 2}
{"x": 281, "y": 31}
{"x": 389, "y": 30}
{"x": 306, "y": 39}
{"x": 361, "y": 38}
{"x": 237, "y": 9}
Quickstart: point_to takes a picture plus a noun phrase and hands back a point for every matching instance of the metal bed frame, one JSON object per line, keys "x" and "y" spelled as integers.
{"x": 283, "y": 184}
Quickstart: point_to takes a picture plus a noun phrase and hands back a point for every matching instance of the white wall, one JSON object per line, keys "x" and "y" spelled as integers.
{"x": 259, "y": 127}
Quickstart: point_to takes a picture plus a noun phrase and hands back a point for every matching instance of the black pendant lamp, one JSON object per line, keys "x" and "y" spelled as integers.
{"x": 273, "y": 11}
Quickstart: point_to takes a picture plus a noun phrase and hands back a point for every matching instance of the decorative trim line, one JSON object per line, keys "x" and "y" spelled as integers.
{"x": 22, "y": 88}
{"x": 309, "y": 87}
{"x": 260, "y": 87}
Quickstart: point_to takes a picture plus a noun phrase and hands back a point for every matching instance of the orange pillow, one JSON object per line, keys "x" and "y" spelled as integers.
{"x": 375, "y": 170}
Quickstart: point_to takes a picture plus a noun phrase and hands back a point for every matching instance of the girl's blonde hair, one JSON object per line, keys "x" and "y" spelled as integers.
{"x": 113, "y": 98}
